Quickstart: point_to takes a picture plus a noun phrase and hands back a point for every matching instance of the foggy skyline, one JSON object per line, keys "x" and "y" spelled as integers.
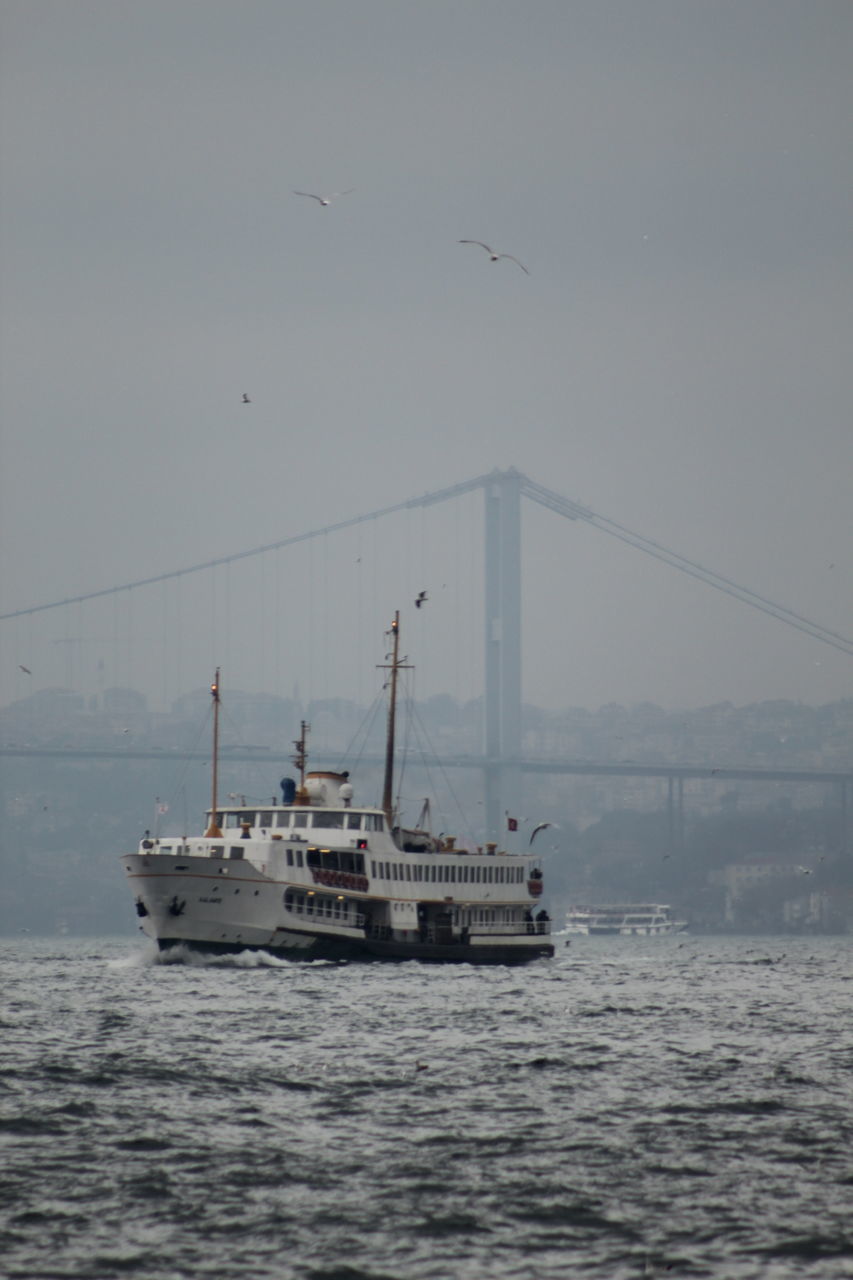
{"x": 675, "y": 178}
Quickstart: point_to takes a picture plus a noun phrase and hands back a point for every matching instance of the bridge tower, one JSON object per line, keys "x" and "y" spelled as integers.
{"x": 502, "y": 702}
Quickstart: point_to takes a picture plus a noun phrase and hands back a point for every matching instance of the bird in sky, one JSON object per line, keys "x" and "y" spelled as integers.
{"x": 495, "y": 257}
{"x": 324, "y": 200}
{"x": 246, "y": 399}
{"x": 25, "y": 670}
{"x": 422, "y": 596}
{"x": 540, "y": 827}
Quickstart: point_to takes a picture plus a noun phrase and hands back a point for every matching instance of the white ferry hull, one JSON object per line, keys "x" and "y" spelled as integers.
{"x": 216, "y": 906}
{"x": 307, "y": 948}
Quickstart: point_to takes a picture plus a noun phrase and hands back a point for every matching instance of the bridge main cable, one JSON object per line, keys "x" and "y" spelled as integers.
{"x": 576, "y": 511}
{"x": 425, "y": 500}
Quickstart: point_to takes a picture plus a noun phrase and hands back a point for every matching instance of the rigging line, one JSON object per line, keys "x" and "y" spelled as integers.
{"x": 179, "y": 785}
{"x": 419, "y": 725}
{"x": 425, "y": 499}
{"x": 403, "y": 755}
{"x": 574, "y": 511}
{"x": 258, "y": 767}
{"x": 357, "y": 745}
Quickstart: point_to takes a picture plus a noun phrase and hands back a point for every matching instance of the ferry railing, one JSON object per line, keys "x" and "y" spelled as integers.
{"x": 511, "y": 930}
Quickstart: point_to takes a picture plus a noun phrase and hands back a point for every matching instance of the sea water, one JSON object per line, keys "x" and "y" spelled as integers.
{"x": 634, "y": 1107}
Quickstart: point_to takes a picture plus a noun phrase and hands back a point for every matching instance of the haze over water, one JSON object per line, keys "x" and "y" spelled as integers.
{"x": 676, "y": 179}
{"x": 634, "y": 1107}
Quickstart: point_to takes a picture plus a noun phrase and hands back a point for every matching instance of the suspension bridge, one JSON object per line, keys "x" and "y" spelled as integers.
{"x": 502, "y": 761}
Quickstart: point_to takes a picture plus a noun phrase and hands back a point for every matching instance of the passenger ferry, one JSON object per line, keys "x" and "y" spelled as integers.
{"x": 319, "y": 876}
{"x": 643, "y": 918}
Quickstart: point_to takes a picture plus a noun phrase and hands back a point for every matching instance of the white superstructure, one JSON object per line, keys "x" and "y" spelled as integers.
{"x": 643, "y": 918}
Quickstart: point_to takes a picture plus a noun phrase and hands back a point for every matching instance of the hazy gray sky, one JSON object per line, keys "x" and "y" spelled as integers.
{"x": 676, "y": 175}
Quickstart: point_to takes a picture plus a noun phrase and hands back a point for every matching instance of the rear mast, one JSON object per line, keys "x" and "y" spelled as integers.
{"x": 395, "y": 665}
{"x": 213, "y": 831}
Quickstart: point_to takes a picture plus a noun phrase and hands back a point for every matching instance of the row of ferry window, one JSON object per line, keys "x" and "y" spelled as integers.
{"x": 433, "y": 873}
{"x": 321, "y": 904}
{"x": 467, "y": 873}
{"x": 336, "y": 819}
{"x": 341, "y": 908}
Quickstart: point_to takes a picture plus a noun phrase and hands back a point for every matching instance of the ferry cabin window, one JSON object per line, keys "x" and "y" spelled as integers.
{"x": 337, "y": 860}
{"x": 353, "y": 822}
{"x": 265, "y": 818}
{"x": 301, "y": 819}
{"x": 232, "y": 820}
{"x": 373, "y": 822}
{"x": 290, "y": 857}
{"x": 317, "y": 904}
{"x": 330, "y": 818}
{"x": 282, "y": 819}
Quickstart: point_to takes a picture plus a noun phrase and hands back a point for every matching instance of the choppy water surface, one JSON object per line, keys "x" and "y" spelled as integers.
{"x": 634, "y": 1107}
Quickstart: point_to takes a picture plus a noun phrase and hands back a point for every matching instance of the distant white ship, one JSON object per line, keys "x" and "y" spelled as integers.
{"x": 642, "y": 919}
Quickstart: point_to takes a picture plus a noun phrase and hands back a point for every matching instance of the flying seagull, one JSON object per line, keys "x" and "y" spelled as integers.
{"x": 541, "y": 827}
{"x": 324, "y": 200}
{"x": 246, "y": 399}
{"x": 496, "y": 256}
{"x": 422, "y": 596}
{"x": 25, "y": 670}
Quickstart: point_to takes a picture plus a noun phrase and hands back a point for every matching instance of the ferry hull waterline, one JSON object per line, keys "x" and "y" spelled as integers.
{"x": 317, "y": 876}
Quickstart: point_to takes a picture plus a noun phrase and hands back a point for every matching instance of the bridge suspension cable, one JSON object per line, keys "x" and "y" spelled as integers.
{"x": 537, "y": 493}
{"x": 424, "y": 500}
{"x": 575, "y": 511}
